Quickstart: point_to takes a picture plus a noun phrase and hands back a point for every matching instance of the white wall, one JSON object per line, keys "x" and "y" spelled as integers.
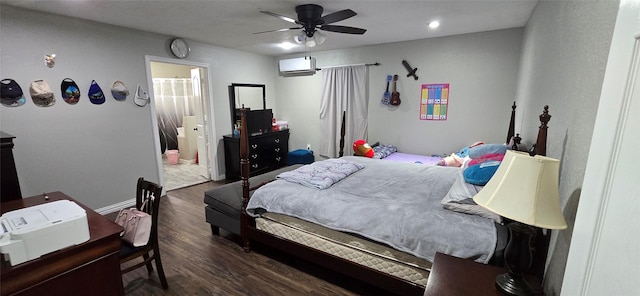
{"x": 481, "y": 69}
{"x": 95, "y": 153}
{"x": 564, "y": 55}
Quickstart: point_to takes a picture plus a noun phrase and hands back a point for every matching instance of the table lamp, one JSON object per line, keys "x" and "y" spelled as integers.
{"x": 524, "y": 189}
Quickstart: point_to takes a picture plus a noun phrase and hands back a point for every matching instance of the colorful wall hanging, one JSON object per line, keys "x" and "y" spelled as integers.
{"x": 434, "y": 100}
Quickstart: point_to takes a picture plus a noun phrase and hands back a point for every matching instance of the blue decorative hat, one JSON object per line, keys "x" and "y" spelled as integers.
{"x": 95, "y": 93}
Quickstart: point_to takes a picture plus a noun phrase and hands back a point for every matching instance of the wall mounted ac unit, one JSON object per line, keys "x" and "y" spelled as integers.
{"x": 298, "y": 66}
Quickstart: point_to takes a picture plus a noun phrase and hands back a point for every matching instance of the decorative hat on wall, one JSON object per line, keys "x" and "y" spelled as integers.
{"x": 41, "y": 94}
{"x": 96, "y": 95}
{"x": 70, "y": 91}
{"x": 11, "y": 93}
{"x": 141, "y": 98}
{"x": 119, "y": 91}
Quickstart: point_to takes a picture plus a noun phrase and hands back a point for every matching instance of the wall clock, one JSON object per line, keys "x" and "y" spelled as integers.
{"x": 180, "y": 48}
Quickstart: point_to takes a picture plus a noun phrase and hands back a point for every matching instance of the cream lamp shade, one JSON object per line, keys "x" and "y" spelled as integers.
{"x": 525, "y": 189}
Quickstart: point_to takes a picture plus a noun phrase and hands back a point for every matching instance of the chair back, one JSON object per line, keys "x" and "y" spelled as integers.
{"x": 149, "y": 194}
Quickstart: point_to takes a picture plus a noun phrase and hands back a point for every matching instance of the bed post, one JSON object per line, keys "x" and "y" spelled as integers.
{"x": 244, "y": 176}
{"x": 542, "y": 238}
{"x": 342, "y": 128}
{"x": 541, "y": 142}
{"x": 512, "y": 123}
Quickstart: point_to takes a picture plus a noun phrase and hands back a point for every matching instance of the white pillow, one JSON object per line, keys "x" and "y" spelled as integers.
{"x": 460, "y": 198}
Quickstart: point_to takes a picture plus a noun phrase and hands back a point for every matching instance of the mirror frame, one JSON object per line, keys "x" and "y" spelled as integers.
{"x": 232, "y": 99}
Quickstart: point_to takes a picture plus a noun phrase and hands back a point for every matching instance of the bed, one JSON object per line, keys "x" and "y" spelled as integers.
{"x": 400, "y": 264}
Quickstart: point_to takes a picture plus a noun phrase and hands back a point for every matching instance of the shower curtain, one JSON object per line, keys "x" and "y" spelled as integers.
{"x": 174, "y": 100}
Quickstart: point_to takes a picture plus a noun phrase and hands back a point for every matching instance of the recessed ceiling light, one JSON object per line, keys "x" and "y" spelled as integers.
{"x": 286, "y": 45}
{"x": 434, "y": 24}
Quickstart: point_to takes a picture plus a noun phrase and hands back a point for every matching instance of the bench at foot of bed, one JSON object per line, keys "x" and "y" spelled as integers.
{"x": 223, "y": 204}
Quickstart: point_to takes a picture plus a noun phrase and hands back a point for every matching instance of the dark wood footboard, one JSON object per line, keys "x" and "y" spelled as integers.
{"x": 383, "y": 281}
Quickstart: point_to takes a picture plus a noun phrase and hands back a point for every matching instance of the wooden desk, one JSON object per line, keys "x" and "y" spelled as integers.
{"x": 90, "y": 268}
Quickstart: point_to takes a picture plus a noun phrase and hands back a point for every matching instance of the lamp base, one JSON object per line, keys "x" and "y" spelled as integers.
{"x": 515, "y": 285}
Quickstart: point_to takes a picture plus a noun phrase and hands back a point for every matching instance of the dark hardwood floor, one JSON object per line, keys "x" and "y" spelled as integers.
{"x": 199, "y": 263}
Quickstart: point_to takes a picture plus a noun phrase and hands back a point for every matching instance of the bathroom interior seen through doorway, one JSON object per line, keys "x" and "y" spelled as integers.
{"x": 178, "y": 93}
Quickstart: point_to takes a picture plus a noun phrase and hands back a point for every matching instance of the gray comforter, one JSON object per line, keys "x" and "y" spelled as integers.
{"x": 393, "y": 203}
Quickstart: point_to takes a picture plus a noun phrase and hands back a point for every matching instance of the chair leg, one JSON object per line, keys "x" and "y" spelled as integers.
{"x": 215, "y": 230}
{"x": 149, "y": 266}
{"x": 163, "y": 279}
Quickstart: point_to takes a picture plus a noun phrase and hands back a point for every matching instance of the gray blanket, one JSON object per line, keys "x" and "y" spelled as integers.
{"x": 393, "y": 203}
{"x": 321, "y": 174}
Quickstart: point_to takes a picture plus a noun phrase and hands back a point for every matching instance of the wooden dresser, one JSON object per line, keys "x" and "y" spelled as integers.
{"x": 10, "y": 189}
{"x": 267, "y": 152}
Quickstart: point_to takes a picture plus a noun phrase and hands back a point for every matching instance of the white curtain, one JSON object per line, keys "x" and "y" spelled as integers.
{"x": 344, "y": 90}
{"x": 174, "y": 99}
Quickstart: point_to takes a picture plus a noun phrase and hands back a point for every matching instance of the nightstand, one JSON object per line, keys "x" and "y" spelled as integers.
{"x": 452, "y": 276}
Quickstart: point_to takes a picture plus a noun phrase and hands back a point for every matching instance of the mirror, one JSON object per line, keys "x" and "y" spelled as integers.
{"x": 253, "y": 96}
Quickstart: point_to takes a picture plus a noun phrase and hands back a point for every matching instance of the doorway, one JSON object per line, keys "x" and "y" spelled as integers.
{"x": 180, "y": 92}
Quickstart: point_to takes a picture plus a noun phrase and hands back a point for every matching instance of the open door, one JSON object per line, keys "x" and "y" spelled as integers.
{"x": 201, "y": 119}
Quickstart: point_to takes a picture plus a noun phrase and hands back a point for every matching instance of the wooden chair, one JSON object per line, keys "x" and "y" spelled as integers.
{"x": 152, "y": 192}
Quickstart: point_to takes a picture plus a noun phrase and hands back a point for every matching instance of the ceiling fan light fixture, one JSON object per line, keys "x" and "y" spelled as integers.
{"x": 311, "y": 42}
{"x": 316, "y": 38}
{"x": 319, "y": 37}
{"x": 300, "y": 37}
{"x": 310, "y": 20}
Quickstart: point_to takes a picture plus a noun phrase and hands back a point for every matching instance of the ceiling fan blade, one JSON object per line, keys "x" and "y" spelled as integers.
{"x": 343, "y": 29}
{"x": 278, "y": 30}
{"x": 282, "y": 17}
{"x": 338, "y": 16}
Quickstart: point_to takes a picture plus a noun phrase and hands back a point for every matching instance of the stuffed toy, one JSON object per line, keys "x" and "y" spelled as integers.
{"x": 481, "y": 150}
{"x": 362, "y": 148}
{"x": 486, "y": 157}
{"x": 464, "y": 152}
{"x": 481, "y": 169}
{"x": 452, "y": 160}
{"x": 456, "y": 159}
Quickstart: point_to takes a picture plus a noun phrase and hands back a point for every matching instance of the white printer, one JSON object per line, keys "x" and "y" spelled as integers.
{"x": 31, "y": 232}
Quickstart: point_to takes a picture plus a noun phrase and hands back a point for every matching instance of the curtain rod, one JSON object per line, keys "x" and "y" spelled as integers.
{"x": 371, "y": 64}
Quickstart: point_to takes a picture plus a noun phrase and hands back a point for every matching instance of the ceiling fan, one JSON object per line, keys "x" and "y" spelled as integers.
{"x": 310, "y": 20}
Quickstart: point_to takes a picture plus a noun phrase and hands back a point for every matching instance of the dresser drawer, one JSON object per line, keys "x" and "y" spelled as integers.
{"x": 267, "y": 152}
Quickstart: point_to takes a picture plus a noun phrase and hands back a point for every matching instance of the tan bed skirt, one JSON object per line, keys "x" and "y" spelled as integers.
{"x": 353, "y": 248}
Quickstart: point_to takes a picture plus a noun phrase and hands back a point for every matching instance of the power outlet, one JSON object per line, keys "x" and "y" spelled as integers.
{"x": 308, "y": 146}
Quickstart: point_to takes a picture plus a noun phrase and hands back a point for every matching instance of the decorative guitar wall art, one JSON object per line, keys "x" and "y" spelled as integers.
{"x": 386, "y": 98}
{"x": 395, "y": 95}
{"x": 412, "y": 71}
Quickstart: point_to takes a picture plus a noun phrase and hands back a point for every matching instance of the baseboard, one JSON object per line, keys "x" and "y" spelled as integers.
{"x": 116, "y": 207}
